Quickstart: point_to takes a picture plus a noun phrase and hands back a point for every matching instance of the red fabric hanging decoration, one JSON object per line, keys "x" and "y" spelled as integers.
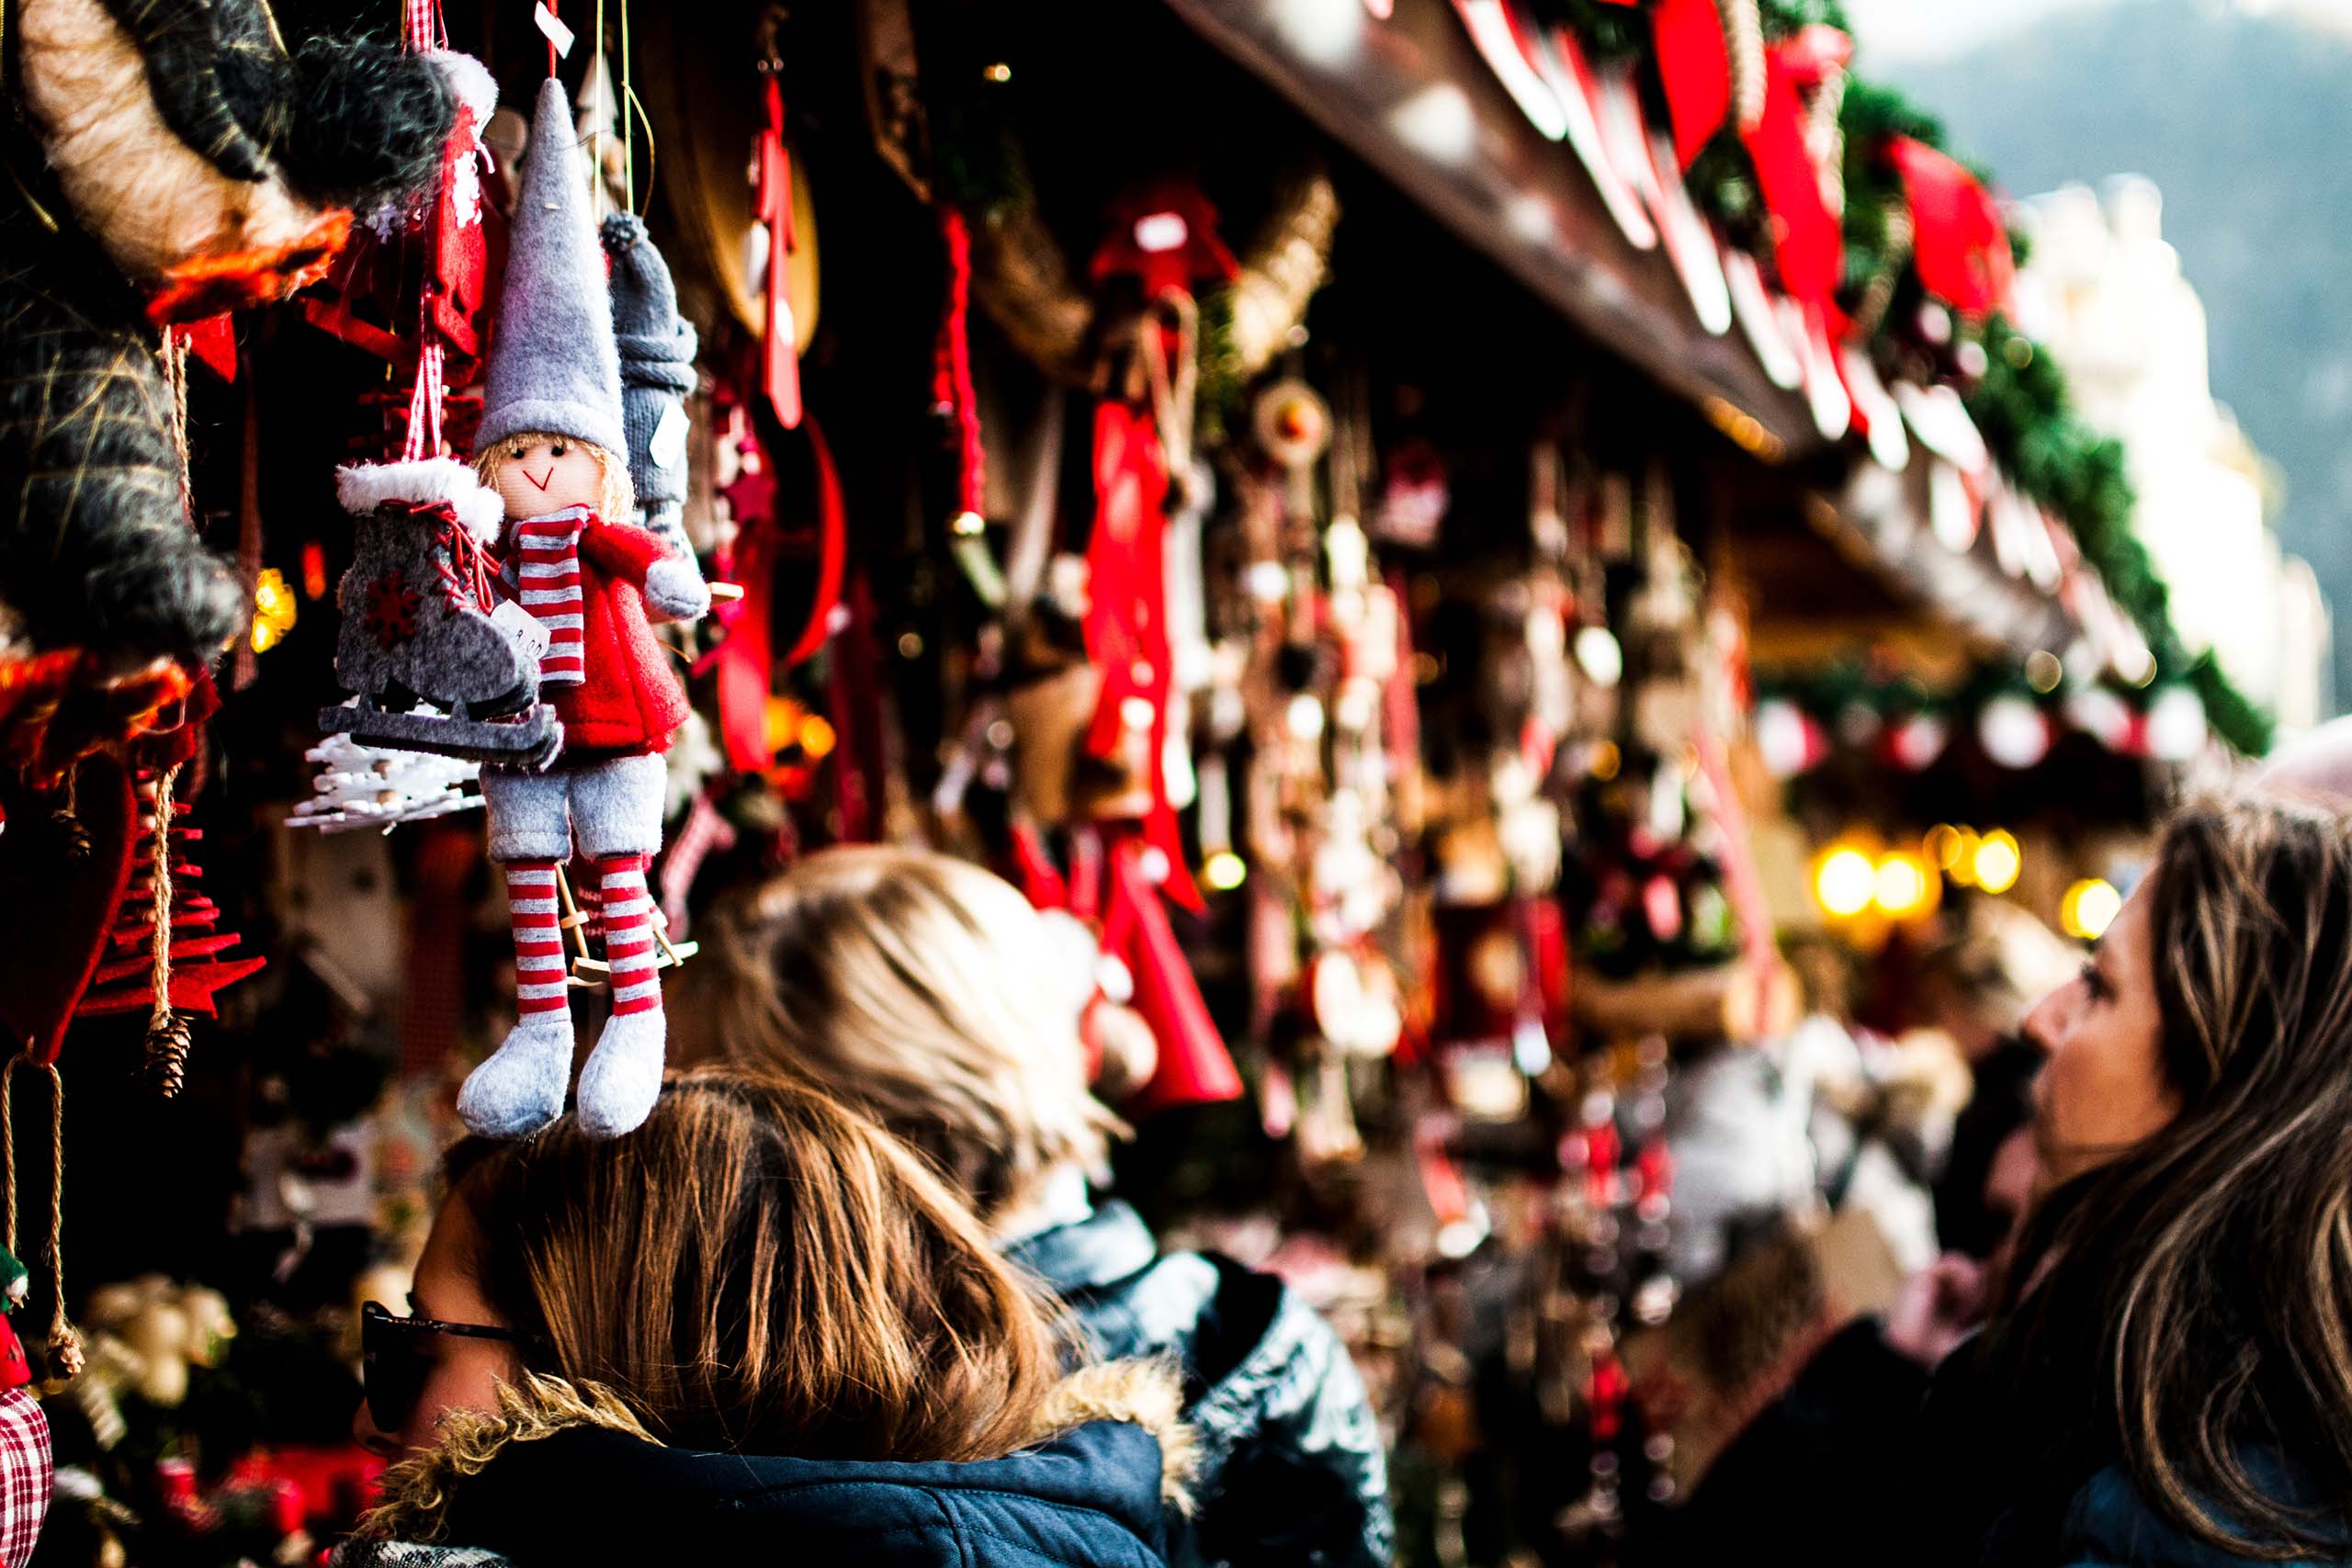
{"x": 1109, "y": 888}
{"x": 1694, "y": 65}
{"x": 1193, "y": 1067}
{"x": 779, "y": 334}
{"x": 1959, "y": 244}
{"x": 1126, "y": 615}
{"x": 952, "y": 391}
{"x": 745, "y": 661}
{"x": 1808, "y": 248}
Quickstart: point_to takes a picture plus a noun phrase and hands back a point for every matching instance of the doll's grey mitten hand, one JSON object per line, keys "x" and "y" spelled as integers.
{"x": 674, "y": 590}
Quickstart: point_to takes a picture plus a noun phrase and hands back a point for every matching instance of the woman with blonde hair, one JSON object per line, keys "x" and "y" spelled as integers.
{"x": 928, "y": 993}
{"x": 755, "y": 1323}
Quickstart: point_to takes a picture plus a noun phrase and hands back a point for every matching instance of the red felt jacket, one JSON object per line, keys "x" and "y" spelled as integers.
{"x": 632, "y": 701}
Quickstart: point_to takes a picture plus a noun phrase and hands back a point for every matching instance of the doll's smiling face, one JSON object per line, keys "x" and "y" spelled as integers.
{"x": 541, "y": 474}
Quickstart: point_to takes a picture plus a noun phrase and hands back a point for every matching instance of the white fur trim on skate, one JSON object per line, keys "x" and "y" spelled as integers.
{"x": 363, "y": 487}
{"x": 469, "y": 79}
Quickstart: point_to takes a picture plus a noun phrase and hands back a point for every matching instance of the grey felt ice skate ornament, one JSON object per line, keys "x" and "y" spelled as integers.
{"x": 417, "y": 621}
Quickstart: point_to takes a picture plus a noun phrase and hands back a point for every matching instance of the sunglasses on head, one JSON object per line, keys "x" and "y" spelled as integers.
{"x": 396, "y": 1357}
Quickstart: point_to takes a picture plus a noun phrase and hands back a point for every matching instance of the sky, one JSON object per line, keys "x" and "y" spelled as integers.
{"x": 1932, "y": 29}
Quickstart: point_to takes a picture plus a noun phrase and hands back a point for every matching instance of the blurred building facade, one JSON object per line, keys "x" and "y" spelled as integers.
{"x": 2104, "y": 292}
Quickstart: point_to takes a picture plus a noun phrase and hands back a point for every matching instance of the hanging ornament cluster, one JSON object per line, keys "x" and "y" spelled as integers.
{"x": 366, "y": 787}
{"x": 1900, "y": 724}
{"x": 1867, "y": 268}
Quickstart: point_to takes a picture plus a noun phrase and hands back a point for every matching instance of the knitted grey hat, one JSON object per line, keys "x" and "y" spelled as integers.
{"x": 657, "y": 354}
{"x": 553, "y": 365}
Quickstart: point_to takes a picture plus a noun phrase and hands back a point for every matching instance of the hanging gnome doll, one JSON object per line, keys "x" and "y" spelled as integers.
{"x": 552, "y": 444}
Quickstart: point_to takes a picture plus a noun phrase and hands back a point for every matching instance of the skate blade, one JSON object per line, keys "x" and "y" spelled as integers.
{"x": 533, "y": 742}
{"x": 601, "y": 973}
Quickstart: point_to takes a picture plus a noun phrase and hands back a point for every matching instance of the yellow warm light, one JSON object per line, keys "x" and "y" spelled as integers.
{"x": 1225, "y": 871}
{"x": 1902, "y": 885}
{"x": 816, "y": 736}
{"x": 1606, "y": 760}
{"x": 1962, "y": 869}
{"x": 1944, "y": 847}
{"x": 1844, "y": 882}
{"x": 273, "y": 610}
{"x": 1997, "y": 861}
{"x": 2089, "y": 907}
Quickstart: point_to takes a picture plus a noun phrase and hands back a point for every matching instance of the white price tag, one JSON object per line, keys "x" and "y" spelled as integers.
{"x": 557, "y": 33}
{"x": 667, "y": 449}
{"x": 520, "y": 628}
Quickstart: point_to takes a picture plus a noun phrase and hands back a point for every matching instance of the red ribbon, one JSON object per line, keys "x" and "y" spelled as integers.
{"x": 1127, "y": 613}
{"x": 1694, "y": 66}
{"x": 1959, "y": 244}
{"x": 1808, "y": 246}
{"x": 951, "y": 379}
{"x": 779, "y": 342}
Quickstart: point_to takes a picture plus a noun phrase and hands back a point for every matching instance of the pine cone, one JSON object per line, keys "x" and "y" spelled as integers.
{"x": 72, "y": 837}
{"x": 167, "y": 1047}
{"x": 65, "y": 1355}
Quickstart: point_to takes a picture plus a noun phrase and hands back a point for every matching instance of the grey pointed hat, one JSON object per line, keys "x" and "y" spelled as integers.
{"x": 658, "y": 348}
{"x": 553, "y": 364}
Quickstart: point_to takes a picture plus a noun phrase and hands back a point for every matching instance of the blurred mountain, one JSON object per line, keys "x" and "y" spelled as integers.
{"x": 2241, "y": 119}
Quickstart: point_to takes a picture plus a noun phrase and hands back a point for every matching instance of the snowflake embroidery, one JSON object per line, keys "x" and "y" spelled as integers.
{"x": 392, "y": 610}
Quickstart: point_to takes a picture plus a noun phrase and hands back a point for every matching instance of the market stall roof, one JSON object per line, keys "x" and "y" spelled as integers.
{"x": 1409, "y": 94}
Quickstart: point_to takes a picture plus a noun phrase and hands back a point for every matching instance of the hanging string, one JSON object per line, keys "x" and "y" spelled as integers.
{"x": 551, "y": 54}
{"x": 167, "y": 1032}
{"x": 8, "y": 1135}
{"x": 628, "y": 116}
{"x": 951, "y": 384}
{"x": 65, "y": 1353}
{"x": 175, "y": 379}
{"x": 426, "y": 31}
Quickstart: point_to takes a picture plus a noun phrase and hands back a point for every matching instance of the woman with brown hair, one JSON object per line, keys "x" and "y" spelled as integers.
{"x": 757, "y": 1323}
{"x": 2165, "y": 1374}
{"x": 928, "y": 993}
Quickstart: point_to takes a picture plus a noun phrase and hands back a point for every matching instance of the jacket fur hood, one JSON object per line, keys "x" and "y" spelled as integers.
{"x": 418, "y": 1489}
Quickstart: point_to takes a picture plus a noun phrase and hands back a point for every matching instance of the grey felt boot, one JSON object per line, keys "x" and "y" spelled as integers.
{"x": 623, "y": 1078}
{"x": 519, "y": 1088}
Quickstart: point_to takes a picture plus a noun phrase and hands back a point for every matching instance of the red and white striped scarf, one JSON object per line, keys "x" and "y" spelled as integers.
{"x": 545, "y": 566}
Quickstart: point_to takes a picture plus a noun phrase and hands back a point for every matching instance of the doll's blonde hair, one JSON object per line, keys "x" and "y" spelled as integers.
{"x": 616, "y": 498}
{"x": 923, "y": 991}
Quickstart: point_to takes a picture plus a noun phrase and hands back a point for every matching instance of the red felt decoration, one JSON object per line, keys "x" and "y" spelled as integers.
{"x": 1959, "y": 244}
{"x": 198, "y": 967}
{"x": 49, "y": 964}
{"x": 1694, "y": 65}
{"x": 1808, "y": 246}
